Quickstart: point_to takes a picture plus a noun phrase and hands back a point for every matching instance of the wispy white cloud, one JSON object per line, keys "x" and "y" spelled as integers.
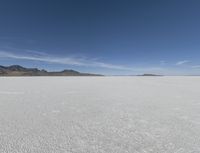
{"x": 63, "y": 60}
{"x": 36, "y": 52}
{"x": 182, "y": 62}
{"x": 75, "y": 61}
{"x": 111, "y": 66}
{"x": 46, "y": 58}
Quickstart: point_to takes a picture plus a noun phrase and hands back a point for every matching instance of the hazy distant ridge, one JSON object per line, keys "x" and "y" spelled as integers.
{"x": 17, "y": 70}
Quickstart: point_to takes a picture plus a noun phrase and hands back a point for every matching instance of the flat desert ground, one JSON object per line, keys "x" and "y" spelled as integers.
{"x": 100, "y": 114}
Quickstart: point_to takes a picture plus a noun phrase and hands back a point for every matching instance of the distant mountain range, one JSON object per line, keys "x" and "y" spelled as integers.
{"x": 17, "y": 70}
{"x": 150, "y": 75}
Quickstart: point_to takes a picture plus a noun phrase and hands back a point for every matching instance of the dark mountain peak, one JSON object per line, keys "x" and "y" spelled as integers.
{"x": 43, "y": 70}
{"x": 2, "y": 67}
{"x": 71, "y": 71}
{"x": 16, "y": 68}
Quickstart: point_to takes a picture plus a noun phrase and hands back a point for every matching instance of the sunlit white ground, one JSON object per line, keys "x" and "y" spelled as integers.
{"x": 100, "y": 115}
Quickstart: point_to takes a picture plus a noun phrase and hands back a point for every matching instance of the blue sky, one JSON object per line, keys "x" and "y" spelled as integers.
{"x": 102, "y": 36}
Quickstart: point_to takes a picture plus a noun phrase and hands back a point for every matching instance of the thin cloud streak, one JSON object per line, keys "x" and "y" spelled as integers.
{"x": 36, "y": 52}
{"x": 43, "y": 57}
{"x": 182, "y": 62}
{"x": 69, "y": 61}
{"x": 64, "y": 60}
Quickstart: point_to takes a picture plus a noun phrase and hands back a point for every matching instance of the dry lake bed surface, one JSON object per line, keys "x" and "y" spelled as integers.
{"x": 100, "y": 114}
